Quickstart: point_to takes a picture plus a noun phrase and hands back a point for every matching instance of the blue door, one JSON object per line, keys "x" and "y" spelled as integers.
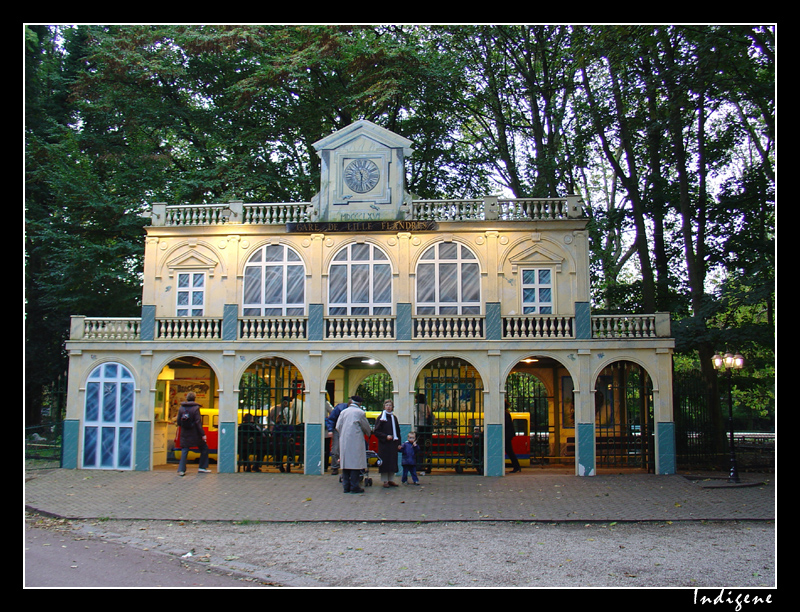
{"x": 108, "y": 418}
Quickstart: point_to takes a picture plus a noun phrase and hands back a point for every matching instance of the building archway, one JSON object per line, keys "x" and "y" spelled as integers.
{"x": 179, "y": 376}
{"x": 449, "y": 415}
{"x": 624, "y": 422}
{"x": 539, "y": 392}
{"x": 271, "y": 417}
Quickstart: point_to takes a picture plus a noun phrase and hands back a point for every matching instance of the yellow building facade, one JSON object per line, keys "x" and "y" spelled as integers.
{"x": 454, "y": 309}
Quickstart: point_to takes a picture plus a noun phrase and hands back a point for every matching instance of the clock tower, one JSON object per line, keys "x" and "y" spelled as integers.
{"x": 362, "y": 174}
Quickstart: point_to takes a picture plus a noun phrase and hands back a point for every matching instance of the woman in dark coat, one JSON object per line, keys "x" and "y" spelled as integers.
{"x": 192, "y": 435}
{"x": 387, "y": 431}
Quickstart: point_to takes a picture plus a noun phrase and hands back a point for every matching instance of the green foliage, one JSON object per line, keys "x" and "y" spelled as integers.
{"x": 666, "y": 131}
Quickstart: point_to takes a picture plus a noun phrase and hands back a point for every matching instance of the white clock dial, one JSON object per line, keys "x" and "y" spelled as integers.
{"x": 361, "y": 175}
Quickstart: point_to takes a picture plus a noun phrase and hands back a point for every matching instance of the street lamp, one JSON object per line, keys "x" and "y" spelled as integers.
{"x": 728, "y": 364}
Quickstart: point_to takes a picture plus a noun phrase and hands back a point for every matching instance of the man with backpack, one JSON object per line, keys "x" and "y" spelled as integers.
{"x": 192, "y": 435}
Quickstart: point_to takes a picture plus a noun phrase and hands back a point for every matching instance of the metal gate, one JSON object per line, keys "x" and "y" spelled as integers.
{"x": 271, "y": 430}
{"x": 624, "y": 416}
{"x": 696, "y": 435}
{"x": 449, "y": 416}
{"x": 526, "y": 393}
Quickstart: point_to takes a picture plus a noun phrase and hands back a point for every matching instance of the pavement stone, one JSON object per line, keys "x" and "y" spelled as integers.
{"x": 532, "y": 495}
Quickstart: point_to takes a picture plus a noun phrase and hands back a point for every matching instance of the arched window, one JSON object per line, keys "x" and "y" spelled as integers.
{"x": 108, "y": 418}
{"x": 274, "y": 283}
{"x": 360, "y": 282}
{"x": 448, "y": 281}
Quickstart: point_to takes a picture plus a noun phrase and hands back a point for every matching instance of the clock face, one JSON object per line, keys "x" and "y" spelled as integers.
{"x": 361, "y": 175}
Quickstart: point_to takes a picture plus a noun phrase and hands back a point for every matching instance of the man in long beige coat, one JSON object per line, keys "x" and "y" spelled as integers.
{"x": 352, "y": 426}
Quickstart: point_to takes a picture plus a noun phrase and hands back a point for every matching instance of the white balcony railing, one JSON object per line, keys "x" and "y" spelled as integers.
{"x": 624, "y": 326}
{"x": 109, "y": 329}
{"x": 188, "y": 328}
{"x": 360, "y": 328}
{"x": 538, "y": 326}
{"x": 279, "y": 328}
{"x": 448, "y": 327}
{"x": 454, "y": 327}
{"x": 490, "y": 208}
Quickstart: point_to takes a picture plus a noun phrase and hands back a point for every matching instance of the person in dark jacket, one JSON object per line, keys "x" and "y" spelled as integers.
{"x": 251, "y": 442}
{"x": 387, "y": 431}
{"x": 192, "y": 435}
{"x": 509, "y": 440}
{"x": 409, "y": 451}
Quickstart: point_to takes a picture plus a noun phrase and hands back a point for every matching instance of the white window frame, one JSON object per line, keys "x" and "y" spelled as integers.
{"x": 458, "y": 306}
{"x": 370, "y": 307}
{"x": 196, "y": 296}
{"x": 108, "y": 428}
{"x": 286, "y": 308}
{"x": 537, "y": 305}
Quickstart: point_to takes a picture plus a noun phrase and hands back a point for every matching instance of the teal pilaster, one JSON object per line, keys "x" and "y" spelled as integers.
{"x": 314, "y": 445}
{"x": 147, "y": 328}
{"x": 226, "y": 448}
{"x": 316, "y": 322}
{"x": 584, "y": 449}
{"x": 402, "y": 326}
{"x": 69, "y": 444}
{"x": 494, "y": 321}
{"x": 665, "y": 447}
{"x": 230, "y": 322}
{"x": 495, "y": 459}
{"x": 583, "y": 321}
{"x": 141, "y": 458}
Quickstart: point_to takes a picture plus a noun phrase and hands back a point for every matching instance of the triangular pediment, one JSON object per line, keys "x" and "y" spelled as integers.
{"x": 366, "y": 129}
{"x": 192, "y": 260}
{"x": 536, "y": 255}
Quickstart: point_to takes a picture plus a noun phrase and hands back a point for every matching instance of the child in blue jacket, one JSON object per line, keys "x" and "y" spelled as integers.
{"x": 409, "y": 461}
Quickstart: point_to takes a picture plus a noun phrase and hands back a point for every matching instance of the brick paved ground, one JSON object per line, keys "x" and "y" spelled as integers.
{"x": 533, "y": 495}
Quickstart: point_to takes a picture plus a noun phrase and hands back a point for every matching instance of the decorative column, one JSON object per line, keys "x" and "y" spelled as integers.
{"x": 314, "y": 402}
{"x": 585, "y": 459}
{"x": 665, "y": 451}
{"x": 494, "y": 451}
{"x": 228, "y": 413}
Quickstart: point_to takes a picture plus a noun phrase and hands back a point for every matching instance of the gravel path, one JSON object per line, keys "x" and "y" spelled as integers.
{"x": 730, "y": 554}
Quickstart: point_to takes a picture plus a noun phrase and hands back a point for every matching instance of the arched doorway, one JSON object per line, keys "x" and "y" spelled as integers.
{"x": 177, "y": 378}
{"x": 270, "y": 417}
{"x": 448, "y": 415}
{"x": 623, "y": 398}
{"x": 539, "y": 389}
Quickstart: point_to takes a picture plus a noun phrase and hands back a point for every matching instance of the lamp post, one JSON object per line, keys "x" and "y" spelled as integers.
{"x": 728, "y": 363}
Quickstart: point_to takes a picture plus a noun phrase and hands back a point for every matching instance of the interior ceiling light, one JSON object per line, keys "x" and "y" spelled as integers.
{"x": 370, "y": 361}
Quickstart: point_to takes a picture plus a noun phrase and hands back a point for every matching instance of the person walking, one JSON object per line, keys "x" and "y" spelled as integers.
{"x": 509, "y": 442}
{"x": 192, "y": 435}
{"x": 387, "y": 430}
{"x": 352, "y": 426}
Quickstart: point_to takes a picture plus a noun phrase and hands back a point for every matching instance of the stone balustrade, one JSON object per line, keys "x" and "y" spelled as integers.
{"x": 465, "y": 327}
{"x": 280, "y": 328}
{"x": 624, "y": 327}
{"x": 448, "y": 327}
{"x": 360, "y": 328}
{"x": 489, "y": 208}
{"x": 538, "y": 326}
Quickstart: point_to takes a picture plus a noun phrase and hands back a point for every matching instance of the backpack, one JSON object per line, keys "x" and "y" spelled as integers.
{"x": 184, "y": 418}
